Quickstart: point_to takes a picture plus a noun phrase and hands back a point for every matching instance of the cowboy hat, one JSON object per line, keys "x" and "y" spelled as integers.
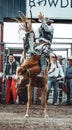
{"x": 59, "y": 57}
{"x": 70, "y": 58}
{"x": 54, "y": 55}
{"x": 48, "y": 20}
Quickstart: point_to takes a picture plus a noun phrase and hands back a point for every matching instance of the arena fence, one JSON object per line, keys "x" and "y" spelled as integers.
{"x": 2, "y": 59}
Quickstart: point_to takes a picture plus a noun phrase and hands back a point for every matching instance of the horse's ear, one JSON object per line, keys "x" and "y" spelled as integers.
{"x": 22, "y": 16}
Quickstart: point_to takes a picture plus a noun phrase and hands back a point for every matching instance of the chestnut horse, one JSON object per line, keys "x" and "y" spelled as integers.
{"x": 29, "y": 70}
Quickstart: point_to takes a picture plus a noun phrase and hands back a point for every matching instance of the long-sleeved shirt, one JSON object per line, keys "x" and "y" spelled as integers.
{"x": 55, "y": 70}
{"x": 68, "y": 73}
{"x": 48, "y": 29}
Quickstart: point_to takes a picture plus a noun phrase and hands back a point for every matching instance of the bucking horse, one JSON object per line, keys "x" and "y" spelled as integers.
{"x": 28, "y": 71}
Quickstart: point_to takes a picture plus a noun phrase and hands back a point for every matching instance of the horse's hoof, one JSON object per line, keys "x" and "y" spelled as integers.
{"x": 26, "y": 115}
{"x": 46, "y": 116}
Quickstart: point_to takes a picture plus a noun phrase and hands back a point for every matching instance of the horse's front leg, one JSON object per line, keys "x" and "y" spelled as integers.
{"x": 44, "y": 95}
{"x": 30, "y": 90}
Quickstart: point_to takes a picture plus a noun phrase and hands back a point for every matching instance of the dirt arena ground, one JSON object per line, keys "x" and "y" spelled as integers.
{"x": 12, "y": 117}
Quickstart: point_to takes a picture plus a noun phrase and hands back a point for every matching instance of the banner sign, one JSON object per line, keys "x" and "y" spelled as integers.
{"x": 55, "y": 9}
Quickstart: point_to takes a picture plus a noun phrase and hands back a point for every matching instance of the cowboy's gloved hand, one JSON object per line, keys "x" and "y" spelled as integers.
{"x": 41, "y": 16}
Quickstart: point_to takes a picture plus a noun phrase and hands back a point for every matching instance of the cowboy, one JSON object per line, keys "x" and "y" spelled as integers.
{"x": 46, "y": 32}
{"x": 54, "y": 73}
{"x": 63, "y": 65}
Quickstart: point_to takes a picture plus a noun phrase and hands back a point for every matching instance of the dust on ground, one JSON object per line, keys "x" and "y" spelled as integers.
{"x": 12, "y": 117}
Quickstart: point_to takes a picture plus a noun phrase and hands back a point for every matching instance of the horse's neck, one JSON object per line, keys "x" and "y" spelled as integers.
{"x": 31, "y": 38}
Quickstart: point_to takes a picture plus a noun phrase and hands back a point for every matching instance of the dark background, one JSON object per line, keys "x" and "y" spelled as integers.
{"x": 10, "y": 8}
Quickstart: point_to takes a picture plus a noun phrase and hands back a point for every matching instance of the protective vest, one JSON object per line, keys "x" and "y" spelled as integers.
{"x": 46, "y": 35}
{"x": 14, "y": 66}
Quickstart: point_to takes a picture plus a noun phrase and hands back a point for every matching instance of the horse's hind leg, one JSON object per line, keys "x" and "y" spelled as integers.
{"x": 44, "y": 95}
{"x": 30, "y": 89}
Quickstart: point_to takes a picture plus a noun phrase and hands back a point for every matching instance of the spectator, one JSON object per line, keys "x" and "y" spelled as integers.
{"x": 68, "y": 80}
{"x": 46, "y": 31}
{"x": 54, "y": 72}
{"x": 61, "y": 59}
{"x": 62, "y": 62}
{"x": 9, "y": 76}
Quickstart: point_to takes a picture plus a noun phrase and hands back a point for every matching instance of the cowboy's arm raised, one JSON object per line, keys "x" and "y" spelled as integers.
{"x": 44, "y": 25}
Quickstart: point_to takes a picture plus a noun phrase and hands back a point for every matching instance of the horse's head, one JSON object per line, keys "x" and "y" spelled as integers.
{"x": 21, "y": 73}
{"x": 22, "y": 78}
{"x": 26, "y": 23}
